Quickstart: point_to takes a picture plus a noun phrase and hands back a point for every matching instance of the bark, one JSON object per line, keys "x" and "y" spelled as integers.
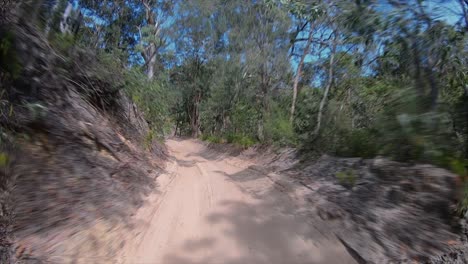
{"x": 195, "y": 120}
{"x": 327, "y": 90}
{"x": 151, "y": 61}
{"x": 65, "y": 23}
{"x": 151, "y": 50}
{"x": 299, "y": 74}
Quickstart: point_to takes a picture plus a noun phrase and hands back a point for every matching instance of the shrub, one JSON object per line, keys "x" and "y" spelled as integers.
{"x": 278, "y": 128}
{"x": 212, "y": 139}
{"x": 240, "y": 140}
{"x": 3, "y": 160}
{"x": 9, "y": 62}
{"x": 63, "y": 42}
{"x": 358, "y": 143}
{"x": 153, "y": 98}
{"x": 347, "y": 178}
{"x": 149, "y": 138}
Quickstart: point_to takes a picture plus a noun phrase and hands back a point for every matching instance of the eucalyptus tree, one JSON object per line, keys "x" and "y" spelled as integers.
{"x": 264, "y": 33}
{"x": 153, "y": 31}
{"x": 305, "y": 15}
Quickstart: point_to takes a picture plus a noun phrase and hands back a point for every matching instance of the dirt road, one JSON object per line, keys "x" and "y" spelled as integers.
{"x": 213, "y": 209}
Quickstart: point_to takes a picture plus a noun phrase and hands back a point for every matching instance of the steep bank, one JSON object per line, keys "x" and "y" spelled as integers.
{"x": 382, "y": 211}
{"x": 78, "y": 157}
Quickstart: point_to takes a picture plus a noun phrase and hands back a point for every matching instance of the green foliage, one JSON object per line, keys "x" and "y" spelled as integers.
{"x": 236, "y": 139}
{"x": 240, "y": 140}
{"x": 154, "y": 98}
{"x": 244, "y": 119}
{"x": 408, "y": 132}
{"x": 8, "y": 59}
{"x": 358, "y": 143}
{"x": 63, "y": 42}
{"x": 397, "y": 78}
{"x": 347, "y": 178}
{"x": 463, "y": 204}
{"x": 278, "y": 130}
{"x": 3, "y": 160}
{"x": 149, "y": 138}
{"x": 459, "y": 166}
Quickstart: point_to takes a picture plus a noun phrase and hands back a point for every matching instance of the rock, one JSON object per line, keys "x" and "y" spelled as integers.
{"x": 399, "y": 210}
{"x": 395, "y": 195}
{"x": 386, "y": 170}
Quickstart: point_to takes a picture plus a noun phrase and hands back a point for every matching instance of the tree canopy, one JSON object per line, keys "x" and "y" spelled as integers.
{"x": 352, "y": 78}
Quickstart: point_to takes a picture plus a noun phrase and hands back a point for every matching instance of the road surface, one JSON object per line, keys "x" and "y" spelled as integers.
{"x": 211, "y": 209}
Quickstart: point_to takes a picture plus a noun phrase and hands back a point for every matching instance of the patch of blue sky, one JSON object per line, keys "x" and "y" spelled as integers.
{"x": 448, "y": 11}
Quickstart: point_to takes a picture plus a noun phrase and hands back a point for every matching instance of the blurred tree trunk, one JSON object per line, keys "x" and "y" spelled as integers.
{"x": 150, "y": 51}
{"x": 299, "y": 73}
{"x": 327, "y": 88}
{"x": 195, "y": 120}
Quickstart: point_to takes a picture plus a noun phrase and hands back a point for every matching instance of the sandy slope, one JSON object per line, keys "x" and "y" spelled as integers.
{"x": 214, "y": 209}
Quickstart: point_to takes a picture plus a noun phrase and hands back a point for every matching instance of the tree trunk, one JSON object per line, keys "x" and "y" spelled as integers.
{"x": 434, "y": 92}
{"x": 65, "y": 22}
{"x": 299, "y": 74}
{"x": 151, "y": 62}
{"x": 151, "y": 50}
{"x": 327, "y": 90}
{"x": 196, "y": 115}
{"x": 262, "y": 101}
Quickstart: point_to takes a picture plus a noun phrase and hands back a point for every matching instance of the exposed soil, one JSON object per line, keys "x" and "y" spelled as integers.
{"x": 382, "y": 211}
{"x": 212, "y": 208}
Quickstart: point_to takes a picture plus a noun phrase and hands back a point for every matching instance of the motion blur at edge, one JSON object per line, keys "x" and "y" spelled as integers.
{"x": 227, "y": 131}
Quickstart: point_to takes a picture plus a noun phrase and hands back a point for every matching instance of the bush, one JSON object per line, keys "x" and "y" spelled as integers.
{"x": 149, "y": 138}
{"x": 279, "y": 131}
{"x": 9, "y": 62}
{"x": 358, "y": 143}
{"x": 212, "y": 139}
{"x": 240, "y": 140}
{"x": 347, "y": 178}
{"x": 63, "y": 42}
{"x": 244, "y": 120}
{"x": 278, "y": 128}
{"x": 153, "y": 98}
{"x": 425, "y": 137}
{"x": 3, "y": 160}
{"x": 462, "y": 207}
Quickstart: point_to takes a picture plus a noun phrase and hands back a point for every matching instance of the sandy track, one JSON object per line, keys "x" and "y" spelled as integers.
{"x": 209, "y": 211}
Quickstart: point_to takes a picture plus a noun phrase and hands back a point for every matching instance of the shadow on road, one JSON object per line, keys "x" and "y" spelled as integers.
{"x": 268, "y": 229}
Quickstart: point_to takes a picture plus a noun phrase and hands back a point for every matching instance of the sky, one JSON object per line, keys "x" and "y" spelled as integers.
{"x": 446, "y": 10}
